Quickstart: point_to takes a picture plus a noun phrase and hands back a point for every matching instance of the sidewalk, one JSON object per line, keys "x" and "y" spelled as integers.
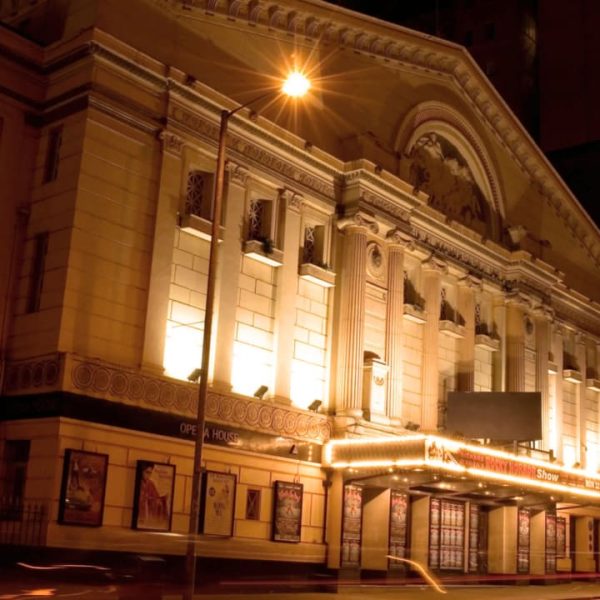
{"x": 570, "y": 591}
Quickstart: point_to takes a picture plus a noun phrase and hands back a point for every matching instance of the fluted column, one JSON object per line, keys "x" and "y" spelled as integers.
{"x": 287, "y": 286}
{"x": 432, "y": 284}
{"x": 165, "y": 223}
{"x": 398, "y": 241}
{"x": 230, "y": 259}
{"x": 466, "y": 346}
{"x": 542, "y": 347}
{"x": 557, "y": 352}
{"x": 515, "y": 344}
{"x": 350, "y": 348}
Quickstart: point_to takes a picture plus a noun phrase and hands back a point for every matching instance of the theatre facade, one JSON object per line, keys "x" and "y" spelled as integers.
{"x": 392, "y": 238}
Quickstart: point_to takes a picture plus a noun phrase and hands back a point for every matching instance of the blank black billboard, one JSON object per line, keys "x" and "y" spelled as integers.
{"x": 504, "y": 416}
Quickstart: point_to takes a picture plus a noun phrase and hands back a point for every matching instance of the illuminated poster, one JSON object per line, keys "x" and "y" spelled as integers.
{"x": 218, "y": 502}
{"x": 561, "y": 537}
{"x": 153, "y": 500}
{"x": 446, "y": 534}
{"x": 523, "y": 541}
{"x": 351, "y": 525}
{"x": 287, "y": 517}
{"x": 398, "y": 528}
{"x": 550, "y": 543}
{"x": 83, "y": 487}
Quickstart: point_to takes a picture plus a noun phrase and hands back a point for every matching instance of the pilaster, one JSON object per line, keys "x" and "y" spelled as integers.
{"x": 557, "y": 352}
{"x": 515, "y": 343}
{"x": 165, "y": 224}
{"x": 499, "y": 358}
{"x": 580, "y": 357}
{"x": 543, "y": 317}
{"x": 287, "y": 286}
{"x": 467, "y": 287}
{"x": 230, "y": 259}
{"x": 394, "y": 344}
{"x": 432, "y": 284}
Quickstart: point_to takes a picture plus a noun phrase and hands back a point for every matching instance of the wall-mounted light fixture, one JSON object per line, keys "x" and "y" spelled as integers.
{"x": 261, "y": 391}
{"x": 195, "y": 375}
{"x": 315, "y": 405}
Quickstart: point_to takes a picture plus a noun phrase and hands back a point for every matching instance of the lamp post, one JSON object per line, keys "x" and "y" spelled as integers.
{"x": 296, "y": 85}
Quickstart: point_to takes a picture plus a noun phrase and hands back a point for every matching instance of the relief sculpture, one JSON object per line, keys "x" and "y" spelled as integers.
{"x": 439, "y": 170}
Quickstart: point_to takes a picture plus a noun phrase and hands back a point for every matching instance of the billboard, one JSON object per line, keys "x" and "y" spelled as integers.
{"x": 501, "y": 416}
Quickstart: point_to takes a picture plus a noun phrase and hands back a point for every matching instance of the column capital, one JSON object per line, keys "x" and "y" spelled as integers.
{"x": 237, "y": 173}
{"x": 170, "y": 142}
{"x": 399, "y": 239}
{"x": 471, "y": 282}
{"x": 293, "y": 200}
{"x": 544, "y": 312}
{"x": 435, "y": 264}
{"x": 359, "y": 220}
{"x": 517, "y": 299}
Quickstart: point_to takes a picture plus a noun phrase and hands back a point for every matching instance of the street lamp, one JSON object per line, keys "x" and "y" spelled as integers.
{"x": 296, "y": 85}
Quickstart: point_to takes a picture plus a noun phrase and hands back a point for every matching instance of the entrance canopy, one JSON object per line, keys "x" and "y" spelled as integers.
{"x": 437, "y": 462}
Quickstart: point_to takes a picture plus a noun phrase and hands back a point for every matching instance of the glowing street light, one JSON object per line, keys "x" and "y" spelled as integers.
{"x": 296, "y": 85}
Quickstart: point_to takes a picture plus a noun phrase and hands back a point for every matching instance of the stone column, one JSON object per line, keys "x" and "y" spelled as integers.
{"x": 230, "y": 264}
{"x": 466, "y": 346}
{"x": 515, "y": 343}
{"x": 287, "y": 287}
{"x": 165, "y": 224}
{"x": 542, "y": 346}
{"x": 351, "y": 324}
{"x": 432, "y": 284}
{"x": 557, "y": 352}
{"x": 398, "y": 241}
{"x": 581, "y": 399}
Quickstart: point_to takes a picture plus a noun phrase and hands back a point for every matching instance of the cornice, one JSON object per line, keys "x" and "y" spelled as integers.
{"x": 256, "y": 155}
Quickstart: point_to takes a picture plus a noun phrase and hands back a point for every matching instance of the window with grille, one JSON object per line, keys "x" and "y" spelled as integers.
{"x": 444, "y": 306}
{"x": 253, "y": 505}
{"x": 313, "y": 247}
{"x": 259, "y": 219}
{"x": 198, "y": 197}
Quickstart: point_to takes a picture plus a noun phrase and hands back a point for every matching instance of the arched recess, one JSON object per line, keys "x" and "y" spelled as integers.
{"x": 437, "y": 143}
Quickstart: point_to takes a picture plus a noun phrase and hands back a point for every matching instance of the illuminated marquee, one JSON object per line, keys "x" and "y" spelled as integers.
{"x": 479, "y": 461}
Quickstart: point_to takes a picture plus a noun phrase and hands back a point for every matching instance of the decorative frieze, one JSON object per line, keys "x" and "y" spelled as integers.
{"x": 198, "y": 125}
{"x": 34, "y": 376}
{"x": 103, "y": 380}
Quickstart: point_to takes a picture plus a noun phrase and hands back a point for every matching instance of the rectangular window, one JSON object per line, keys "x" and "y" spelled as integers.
{"x": 314, "y": 245}
{"x": 16, "y": 457}
{"x": 53, "y": 154}
{"x": 253, "y": 505}
{"x": 199, "y": 195}
{"x": 37, "y": 272}
{"x": 260, "y": 217}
